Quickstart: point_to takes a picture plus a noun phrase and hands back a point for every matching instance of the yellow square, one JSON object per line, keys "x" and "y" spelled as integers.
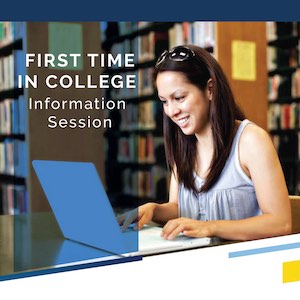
{"x": 243, "y": 60}
{"x": 291, "y": 271}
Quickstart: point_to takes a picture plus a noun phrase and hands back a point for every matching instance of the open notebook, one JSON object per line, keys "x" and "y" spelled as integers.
{"x": 150, "y": 242}
{"x": 84, "y": 213}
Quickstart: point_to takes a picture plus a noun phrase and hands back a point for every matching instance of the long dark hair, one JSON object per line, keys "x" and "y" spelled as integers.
{"x": 181, "y": 149}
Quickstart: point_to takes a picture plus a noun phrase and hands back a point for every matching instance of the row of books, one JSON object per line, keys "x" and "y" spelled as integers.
{"x": 13, "y": 157}
{"x": 138, "y": 148}
{"x": 10, "y": 67}
{"x": 125, "y": 47}
{"x": 284, "y": 116}
{"x": 284, "y": 86}
{"x": 144, "y": 85}
{"x": 146, "y": 47}
{"x": 142, "y": 46}
{"x": 197, "y": 33}
{"x": 201, "y": 34}
{"x": 139, "y": 116}
{"x": 145, "y": 81}
{"x": 125, "y": 93}
{"x": 127, "y": 27}
{"x": 10, "y": 31}
{"x": 13, "y": 116}
{"x": 144, "y": 183}
{"x": 13, "y": 199}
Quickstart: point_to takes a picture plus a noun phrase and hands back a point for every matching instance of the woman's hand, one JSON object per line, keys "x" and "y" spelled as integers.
{"x": 142, "y": 215}
{"x": 189, "y": 227}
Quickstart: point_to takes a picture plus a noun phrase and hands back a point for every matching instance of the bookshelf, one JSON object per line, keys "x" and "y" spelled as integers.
{"x": 133, "y": 181}
{"x": 13, "y": 133}
{"x": 284, "y": 97}
{"x": 37, "y": 139}
{"x": 135, "y": 165}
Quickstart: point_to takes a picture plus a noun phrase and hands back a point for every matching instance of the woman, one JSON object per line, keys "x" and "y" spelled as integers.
{"x": 226, "y": 178}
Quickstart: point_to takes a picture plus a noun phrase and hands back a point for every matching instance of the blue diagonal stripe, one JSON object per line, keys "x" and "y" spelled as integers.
{"x": 70, "y": 268}
{"x": 263, "y": 250}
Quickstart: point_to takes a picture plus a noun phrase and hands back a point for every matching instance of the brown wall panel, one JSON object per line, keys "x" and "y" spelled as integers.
{"x": 251, "y": 95}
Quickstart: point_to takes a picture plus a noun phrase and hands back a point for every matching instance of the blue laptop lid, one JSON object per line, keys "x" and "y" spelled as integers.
{"x": 81, "y": 207}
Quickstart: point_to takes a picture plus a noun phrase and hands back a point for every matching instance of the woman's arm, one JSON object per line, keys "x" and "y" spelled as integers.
{"x": 259, "y": 160}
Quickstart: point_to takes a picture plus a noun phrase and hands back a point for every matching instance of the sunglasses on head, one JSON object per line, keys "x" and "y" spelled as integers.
{"x": 180, "y": 53}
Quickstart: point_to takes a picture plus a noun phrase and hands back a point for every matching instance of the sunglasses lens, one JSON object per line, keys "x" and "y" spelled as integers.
{"x": 161, "y": 58}
{"x": 176, "y": 54}
{"x": 180, "y": 54}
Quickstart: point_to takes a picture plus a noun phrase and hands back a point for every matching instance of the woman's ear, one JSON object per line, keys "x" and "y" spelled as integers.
{"x": 209, "y": 89}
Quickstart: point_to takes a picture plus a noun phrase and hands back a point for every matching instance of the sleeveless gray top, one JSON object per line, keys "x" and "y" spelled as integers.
{"x": 231, "y": 198}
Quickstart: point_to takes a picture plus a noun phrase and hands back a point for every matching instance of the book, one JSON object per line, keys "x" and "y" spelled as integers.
{"x": 13, "y": 199}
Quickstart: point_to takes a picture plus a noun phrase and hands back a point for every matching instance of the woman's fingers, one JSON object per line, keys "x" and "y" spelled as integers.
{"x": 189, "y": 227}
{"x": 130, "y": 217}
{"x": 173, "y": 228}
{"x": 180, "y": 228}
{"x": 190, "y": 232}
{"x": 142, "y": 215}
{"x": 143, "y": 219}
{"x": 121, "y": 219}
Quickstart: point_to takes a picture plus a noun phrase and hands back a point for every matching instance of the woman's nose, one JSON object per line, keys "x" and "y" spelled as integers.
{"x": 173, "y": 110}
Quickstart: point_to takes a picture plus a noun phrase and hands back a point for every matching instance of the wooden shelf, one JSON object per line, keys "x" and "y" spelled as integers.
{"x": 284, "y": 131}
{"x": 20, "y": 137}
{"x": 282, "y": 71}
{"x": 119, "y": 133}
{"x": 285, "y": 100}
{"x": 138, "y": 65}
{"x": 288, "y": 41}
{"x": 136, "y": 164}
{"x": 8, "y": 48}
{"x": 11, "y": 93}
{"x": 11, "y": 179}
{"x": 141, "y": 98}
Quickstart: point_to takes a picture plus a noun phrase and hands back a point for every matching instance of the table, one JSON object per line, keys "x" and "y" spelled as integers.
{"x": 34, "y": 242}
{"x": 31, "y": 242}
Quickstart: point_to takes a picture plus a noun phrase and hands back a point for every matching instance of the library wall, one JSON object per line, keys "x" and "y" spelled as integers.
{"x": 250, "y": 93}
{"x": 130, "y": 156}
{"x": 62, "y": 144}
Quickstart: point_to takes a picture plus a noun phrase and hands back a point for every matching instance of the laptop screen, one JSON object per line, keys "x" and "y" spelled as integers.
{"x": 81, "y": 206}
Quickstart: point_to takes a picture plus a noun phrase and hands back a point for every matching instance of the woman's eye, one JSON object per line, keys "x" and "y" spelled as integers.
{"x": 179, "y": 98}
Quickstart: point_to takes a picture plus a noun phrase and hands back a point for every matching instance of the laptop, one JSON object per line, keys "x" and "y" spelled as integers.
{"x": 84, "y": 213}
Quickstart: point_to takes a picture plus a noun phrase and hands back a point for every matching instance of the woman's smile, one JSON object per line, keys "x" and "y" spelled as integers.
{"x": 184, "y": 103}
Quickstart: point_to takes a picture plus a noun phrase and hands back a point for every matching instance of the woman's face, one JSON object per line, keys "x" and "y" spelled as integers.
{"x": 184, "y": 103}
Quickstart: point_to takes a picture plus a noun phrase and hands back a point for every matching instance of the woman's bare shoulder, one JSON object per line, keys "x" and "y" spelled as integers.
{"x": 254, "y": 143}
